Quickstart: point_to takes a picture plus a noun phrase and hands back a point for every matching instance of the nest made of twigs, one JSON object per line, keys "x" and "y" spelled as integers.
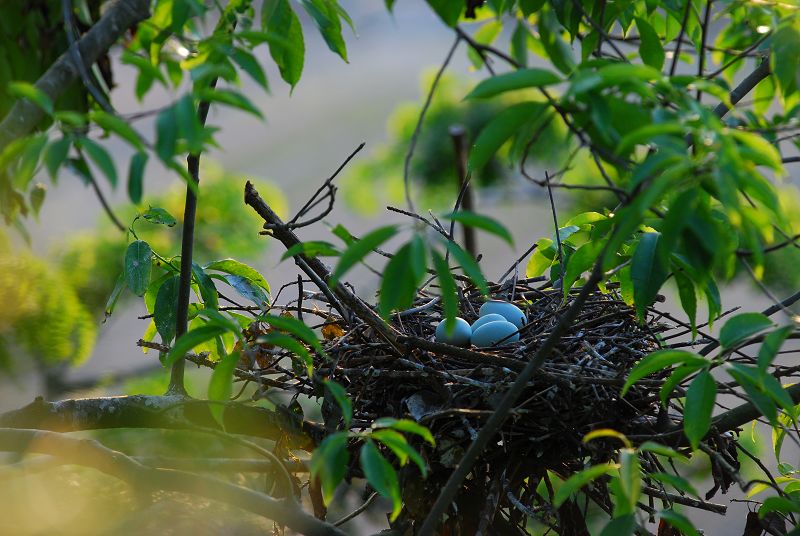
{"x": 452, "y": 391}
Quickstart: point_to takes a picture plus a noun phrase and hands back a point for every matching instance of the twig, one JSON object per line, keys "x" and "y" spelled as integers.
{"x": 315, "y": 266}
{"x": 413, "y": 143}
{"x": 102, "y": 198}
{"x": 701, "y": 63}
{"x": 747, "y": 85}
{"x": 677, "y": 52}
{"x": 357, "y": 511}
{"x": 686, "y": 501}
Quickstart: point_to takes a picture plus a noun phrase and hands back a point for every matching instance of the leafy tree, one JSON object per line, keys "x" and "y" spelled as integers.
{"x": 688, "y": 125}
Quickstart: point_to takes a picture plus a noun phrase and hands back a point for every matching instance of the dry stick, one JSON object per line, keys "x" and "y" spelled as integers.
{"x": 686, "y": 501}
{"x": 413, "y": 143}
{"x": 318, "y": 272}
{"x": 90, "y": 453}
{"x": 24, "y": 116}
{"x": 501, "y": 413}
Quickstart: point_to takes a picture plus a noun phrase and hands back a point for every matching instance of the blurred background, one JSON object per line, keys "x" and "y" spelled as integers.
{"x": 307, "y": 134}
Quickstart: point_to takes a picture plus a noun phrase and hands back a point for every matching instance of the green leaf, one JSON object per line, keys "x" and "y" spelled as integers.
{"x": 674, "y": 379}
{"x": 249, "y": 64}
{"x": 329, "y": 463}
{"x": 247, "y": 289}
{"x": 159, "y": 216}
{"x": 520, "y": 79}
{"x": 401, "y": 276}
{"x": 581, "y": 261}
{"x": 100, "y": 156}
{"x": 296, "y": 328}
{"x": 111, "y": 302}
{"x": 784, "y": 60}
{"x": 231, "y": 98}
{"x": 220, "y": 387}
{"x": 278, "y": 18}
{"x": 55, "y": 153}
{"x": 405, "y": 425}
{"x": 469, "y": 266}
{"x": 166, "y": 133}
{"x": 193, "y": 338}
{"x": 646, "y": 133}
{"x": 112, "y": 123}
{"x": 501, "y": 127}
{"x": 621, "y": 526}
{"x": 295, "y": 347}
{"x": 189, "y": 127}
{"x": 26, "y": 90}
{"x": 741, "y": 327}
{"x": 165, "y": 310}
{"x": 760, "y": 150}
{"x": 650, "y": 48}
{"x": 630, "y": 478}
{"x": 580, "y": 479}
{"x": 660, "y": 360}
{"x": 326, "y": 17}
{"x": 447, "y": 290}
{"x": 648, "y": 272}
{"x": 358, "y": 250}
{"x": 688, "y": 298}
{"x": 771, "y": 345}
{"x": 136, "y": 177}
{"x": 340, "y": 396}
{"x": 399, "y": 445}
{"x": 479, "y": 221}
{"x": 312, "y": 248}
{"x": 448, "y": 10}
{"x": 381, "y": 476}
{"x": 208, "y": 291}
{"x": 700, "y": 398}
{"x": 37, "y": 195}
{"x": 678, "y": 521}
{"x": 138, "y": 266}
{"x": 234, "y": 267}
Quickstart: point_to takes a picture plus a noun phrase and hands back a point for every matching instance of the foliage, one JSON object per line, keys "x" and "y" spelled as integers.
{"x": 688, "y": 166}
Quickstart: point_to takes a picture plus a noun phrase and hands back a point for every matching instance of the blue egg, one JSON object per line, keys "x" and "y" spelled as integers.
{"x": 490, "y": 334}
{"x": 507, "y": 310}
{"x": 491, "y": 317}
{"x": 460, "y": 335}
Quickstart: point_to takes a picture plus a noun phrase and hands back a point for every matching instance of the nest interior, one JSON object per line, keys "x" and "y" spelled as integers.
{"x": 452, "y": 391}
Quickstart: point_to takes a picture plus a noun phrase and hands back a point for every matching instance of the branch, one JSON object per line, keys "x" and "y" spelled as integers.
{"x": 747, "y": 85}
{"x": 90, "y": 453}
{"x": 318, "y": 270}
{"x": 24, "y": 116}
{"x": 170, "y": 412}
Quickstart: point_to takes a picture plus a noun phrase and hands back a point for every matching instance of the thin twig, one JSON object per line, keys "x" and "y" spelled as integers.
{"x": 413, "y": 143}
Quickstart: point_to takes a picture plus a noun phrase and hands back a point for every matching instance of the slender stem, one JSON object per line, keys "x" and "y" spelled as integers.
{"x": 680, "y": 38}
{"x": 701, "y": 64}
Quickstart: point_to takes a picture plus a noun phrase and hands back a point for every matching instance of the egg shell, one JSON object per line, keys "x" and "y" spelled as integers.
{"x": 491, "y": 317}
{"x": 459, "y": 337}
{"x": 507, "y": 310}
{"x": 490, "y": 334}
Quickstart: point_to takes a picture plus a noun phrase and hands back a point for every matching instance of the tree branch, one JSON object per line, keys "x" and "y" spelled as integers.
{"x": 747, "y": 85}
{"x": 91, "y": 453}
{"x": 25, "y": 115}
{"x": 315, "y": 266}
{"x": 170, "y": 412}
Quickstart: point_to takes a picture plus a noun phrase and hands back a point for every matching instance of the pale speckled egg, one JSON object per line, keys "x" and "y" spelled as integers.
{"x": 460, "y": 335}
{"x": 507, "y": 310}
{"x": 491, "y": 317}
{"x": 490, "y": 334}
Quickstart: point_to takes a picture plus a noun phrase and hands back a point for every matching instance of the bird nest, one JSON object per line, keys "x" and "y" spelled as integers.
{"x": 453, "y": 390}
